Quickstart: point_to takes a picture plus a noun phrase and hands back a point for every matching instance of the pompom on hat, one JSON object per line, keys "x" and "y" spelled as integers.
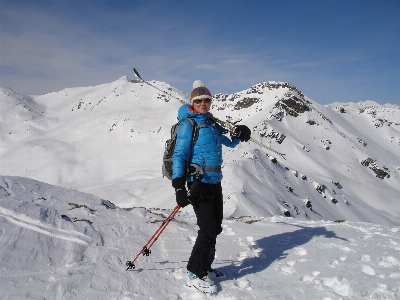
{"x": 199, "y": 91}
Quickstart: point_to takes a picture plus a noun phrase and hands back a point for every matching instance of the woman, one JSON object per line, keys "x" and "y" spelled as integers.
{"x": 205, "y": 190}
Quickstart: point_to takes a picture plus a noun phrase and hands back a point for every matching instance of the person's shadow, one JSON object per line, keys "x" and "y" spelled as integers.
{"x": 274, "y": 248}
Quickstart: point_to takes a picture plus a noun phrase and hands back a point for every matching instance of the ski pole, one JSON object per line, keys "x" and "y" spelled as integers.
{"x": 225, "y": 125}
{"x": 146, "y": 248}
{"x": 166, "y": 221}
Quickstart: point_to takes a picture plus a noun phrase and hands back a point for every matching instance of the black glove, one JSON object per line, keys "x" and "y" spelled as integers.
{"x": 182, "y": 198}
{"x": 243, "y": 132}
{"x": 179, "y": 183}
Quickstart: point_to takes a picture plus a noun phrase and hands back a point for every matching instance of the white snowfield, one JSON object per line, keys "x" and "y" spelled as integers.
{"x": 81, "y": 192}
{"x": 58, "y": 243}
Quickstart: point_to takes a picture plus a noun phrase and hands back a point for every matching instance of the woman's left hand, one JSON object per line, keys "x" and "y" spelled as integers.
{"x": 243, "y": 132}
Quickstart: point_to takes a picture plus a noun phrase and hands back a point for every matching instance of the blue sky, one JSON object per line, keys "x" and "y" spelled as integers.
{"x": 333, "y": 51}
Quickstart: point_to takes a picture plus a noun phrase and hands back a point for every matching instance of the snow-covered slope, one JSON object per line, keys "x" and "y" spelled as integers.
{"x": 108, "y": 140}
{"x": 105, "y": 139}
{"x": 346, "y": 161}
{"x": 58, "y": 243}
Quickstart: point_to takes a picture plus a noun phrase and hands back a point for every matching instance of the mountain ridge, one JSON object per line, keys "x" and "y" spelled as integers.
{"x": 108, "y": 140}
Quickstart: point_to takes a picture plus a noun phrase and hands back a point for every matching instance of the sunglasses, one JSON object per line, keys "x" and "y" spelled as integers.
{"x": 206, "y": 101}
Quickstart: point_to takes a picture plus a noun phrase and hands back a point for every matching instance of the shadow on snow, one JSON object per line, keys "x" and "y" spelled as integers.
{"x": 275, "y": 248}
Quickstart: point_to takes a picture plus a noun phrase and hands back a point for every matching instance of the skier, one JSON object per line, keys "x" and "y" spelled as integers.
{"x": 205, "y": 190}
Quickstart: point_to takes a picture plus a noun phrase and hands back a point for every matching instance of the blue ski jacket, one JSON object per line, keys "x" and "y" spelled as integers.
{"x": 207, "y": 150}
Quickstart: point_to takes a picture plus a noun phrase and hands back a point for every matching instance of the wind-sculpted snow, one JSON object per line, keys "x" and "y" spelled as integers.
{"x": 58, "y": 243}
{"x": 108, "y": 140}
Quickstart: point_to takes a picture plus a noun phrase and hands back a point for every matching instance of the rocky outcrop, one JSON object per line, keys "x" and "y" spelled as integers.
{"x": 380, "y": 172}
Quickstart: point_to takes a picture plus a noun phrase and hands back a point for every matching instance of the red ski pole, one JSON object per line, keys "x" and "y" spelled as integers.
{"x": 146, "y": 248}
{"x": 169, "y": 219}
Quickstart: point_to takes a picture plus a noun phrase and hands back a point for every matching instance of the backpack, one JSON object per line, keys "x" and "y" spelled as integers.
{"x": 170, "y": 147}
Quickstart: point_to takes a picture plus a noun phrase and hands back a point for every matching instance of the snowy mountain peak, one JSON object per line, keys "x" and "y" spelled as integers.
{"x": 256, "y": 93}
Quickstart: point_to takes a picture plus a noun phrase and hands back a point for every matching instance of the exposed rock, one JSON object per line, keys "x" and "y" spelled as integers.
{"x": 362, "y": 142}
{"x": 293, "y": 105}
{"x": 311, "y": 122}
{"x": 279, "y": 137}
{"x": 337, "y": 184}
{"x": 273, "y": 159}
{"x": 319, "y": 187}
{"x": 307, "y": 203}
{"x": 380, "y": 172}
{"x": 245, "y": 103}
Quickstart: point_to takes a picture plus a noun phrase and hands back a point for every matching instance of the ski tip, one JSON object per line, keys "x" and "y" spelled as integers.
{"x": 136, "y": 73}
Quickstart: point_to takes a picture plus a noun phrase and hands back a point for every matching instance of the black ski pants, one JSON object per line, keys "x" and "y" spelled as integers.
{"x": 209, "y": 214}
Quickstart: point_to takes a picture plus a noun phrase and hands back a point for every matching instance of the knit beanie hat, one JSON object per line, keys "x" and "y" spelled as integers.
{"x": 199, "y": 91}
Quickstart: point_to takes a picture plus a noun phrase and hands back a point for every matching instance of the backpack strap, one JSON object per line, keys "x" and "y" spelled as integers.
{"x": 195, "y": 135}
{"x": 195, "y": 131}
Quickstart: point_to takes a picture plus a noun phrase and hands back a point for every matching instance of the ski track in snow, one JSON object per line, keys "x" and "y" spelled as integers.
{"x": 35, "y": 225}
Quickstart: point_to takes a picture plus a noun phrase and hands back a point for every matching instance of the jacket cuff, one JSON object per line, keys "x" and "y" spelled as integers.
{"x": 179, "y": 183}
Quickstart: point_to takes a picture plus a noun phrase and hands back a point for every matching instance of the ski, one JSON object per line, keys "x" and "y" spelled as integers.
{"x": 224, "y": 124}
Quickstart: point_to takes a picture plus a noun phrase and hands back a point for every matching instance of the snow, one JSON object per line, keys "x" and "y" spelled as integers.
{"x": 81, "y": 192}
{"x": 59, "y": 243}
